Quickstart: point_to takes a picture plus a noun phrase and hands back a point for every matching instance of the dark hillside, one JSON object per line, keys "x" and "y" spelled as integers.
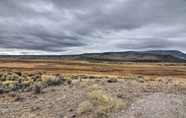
{"x": 130, "y": 56}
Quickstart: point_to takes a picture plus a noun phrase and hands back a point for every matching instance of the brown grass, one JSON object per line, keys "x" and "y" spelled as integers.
{"x": 86, "y": 68}
{"x": 105, "y": 105}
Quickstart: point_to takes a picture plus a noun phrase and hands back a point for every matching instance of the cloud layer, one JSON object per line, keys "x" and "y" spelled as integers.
{"x": 81, "y": 26}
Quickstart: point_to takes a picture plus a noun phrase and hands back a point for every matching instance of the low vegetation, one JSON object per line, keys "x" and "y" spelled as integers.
{"x": 105, "y": 105}
{"x": 94, "y": 86}
{"x": 52, "y": 80}
{"x": 85, "y": 108}
{"x": 40, "y": 94}
{"x": 13, "y": 80}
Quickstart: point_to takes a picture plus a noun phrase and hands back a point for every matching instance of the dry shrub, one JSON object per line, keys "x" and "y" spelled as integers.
{"x": 140, "y": 76}
{"x": 128, "y": 78}
{"x": 50, "y": 80}
{"x": 112, "y": 80}
{"x": 119, "y": 104}
{"x": 36, "y": 89}
{"x": 68, "y": 79}
{"x": 141, "y": 80}
{"x": 94, "y": 86}
{"x": 2, "y": 90}
{"x": 157, "y": 79}
{"x": 85, "y": 108}
{"x": 6, "y": 83}
{"x": 83, "y": 84}
{"x": 3, "y": 76}
{"x": 18, "y": 73}
{"x": 27, "y": 83}
{"x": 146, "y": 79}
{"x": 95, "y": 95}
{"x": 107, "y": 104}
{"x": 12, "y": 77}
{"x": 18, "y": 97}
{"x": 11, "y": 94}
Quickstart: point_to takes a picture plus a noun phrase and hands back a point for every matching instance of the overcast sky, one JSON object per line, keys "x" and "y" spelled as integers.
{"x": 86, "y": 26}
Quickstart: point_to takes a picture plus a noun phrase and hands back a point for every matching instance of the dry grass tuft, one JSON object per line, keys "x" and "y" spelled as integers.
{"x": 6, "y": 83}
{"x": 85, "y": 108}
{"x": 95, "y": 95}
{"x": 68, "y": 79}
{"x": 50, "y": 80}
{"x": 94, "y": 87}
{"x": 105, "y": 105}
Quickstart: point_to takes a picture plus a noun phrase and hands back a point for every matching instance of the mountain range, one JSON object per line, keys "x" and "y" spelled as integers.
{"x": 171, "y": 56}
{"x": 175, "y": 53}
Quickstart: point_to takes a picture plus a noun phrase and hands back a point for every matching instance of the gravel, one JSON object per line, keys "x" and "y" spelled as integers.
{"x": 157, "y": 105}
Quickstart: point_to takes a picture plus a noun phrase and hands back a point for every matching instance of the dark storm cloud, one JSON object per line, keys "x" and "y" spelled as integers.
{"x": 38, "y": 41}
{"x": 78, "y": 26}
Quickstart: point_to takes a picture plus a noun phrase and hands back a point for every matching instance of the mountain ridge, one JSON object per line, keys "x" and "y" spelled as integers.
{"x": 175, "y": 53}
{"x": 172, "y": 56}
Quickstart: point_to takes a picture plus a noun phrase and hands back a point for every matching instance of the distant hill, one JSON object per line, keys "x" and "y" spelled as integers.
{"x": 175, "y": 53}
{"x": 129, "y": 56}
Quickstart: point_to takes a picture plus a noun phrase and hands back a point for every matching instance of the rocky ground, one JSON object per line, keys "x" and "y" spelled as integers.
{"x": 157, "y": 105}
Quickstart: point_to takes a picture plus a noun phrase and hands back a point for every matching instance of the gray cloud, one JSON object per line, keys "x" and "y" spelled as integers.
{"x": 148, "y": 43}
{"x": 78, "y": 26}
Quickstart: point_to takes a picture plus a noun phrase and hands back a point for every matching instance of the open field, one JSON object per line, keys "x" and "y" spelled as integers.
{"x": 105, "y": 69}
{"x": 67, "y": 89}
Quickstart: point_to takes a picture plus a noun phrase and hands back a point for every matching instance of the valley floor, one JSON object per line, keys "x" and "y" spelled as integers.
{"x": 66, "y": 89}
{"x": 176, "y": 70}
